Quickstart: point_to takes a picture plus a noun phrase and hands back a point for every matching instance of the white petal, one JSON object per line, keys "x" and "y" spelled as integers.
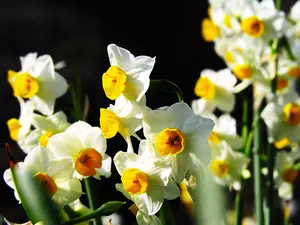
{"x": 285, "y": 191}
{"x": 43, "y": 68}
{"x": 94, "y": 139}
{"x": 198, "y": 127}
{"x": 201, "y": 106}
{"x": 143, "y": 219}
{"x": 121, "y": 189}
{"x": 123, "y": 160}
{"x": 60, "y": 170}
{"x": 38, "y": 159}
{"x": 79, "y": 129}
{"x": 120, "y": 57}
{"x": 105, "y": 169}
{"x": 57, "y": 87}
{"x": 29, "y": 141}
{"x": 28, "y": 61}
{"x": 42, "y": 123}
{"x": 43, "y": 103}
{"x": 171, "y": 191}
{"x": 67, "y": 192}
{"x": 181, "y": 112}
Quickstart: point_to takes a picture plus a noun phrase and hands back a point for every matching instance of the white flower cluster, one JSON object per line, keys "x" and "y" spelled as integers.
{"x": 260, "y": 46}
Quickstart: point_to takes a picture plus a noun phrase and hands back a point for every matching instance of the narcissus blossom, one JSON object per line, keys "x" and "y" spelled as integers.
{"x": 38, "y": 81}
{"x": 179, "y": 136}
{"x": 143, "y": 180}
{"x": 55, "y": 175}
{"x": 85, "y": 147}
{"x": 215, "y": 90}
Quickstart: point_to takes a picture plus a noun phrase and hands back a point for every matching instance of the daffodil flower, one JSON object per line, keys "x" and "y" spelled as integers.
{"x": 45, "y": 127}
{"x": 120, "y": 118}
{"x": 85, "y": 147}
{"x": 19, "y": 128}
{"x": 282, "y": 117}
{"x": 128, "y": 76}
{"x": 38, "y": 81}
{"x": 143, "y": 180}
{"x": 215, "y": 90}
{"x": 179, "y": 136}
{"x": 55, "y": 175}
{"x": 227, "y": 166}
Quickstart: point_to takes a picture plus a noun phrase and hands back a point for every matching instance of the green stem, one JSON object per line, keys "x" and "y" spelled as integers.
{"x": 245, "y": 121}
{"x": 92, "y": 199}
{"x": 270, "y": 184}
{"x": 278, "y": 4}
{"x": 257, "y": 168}
{"x": 288, "y": 50}
{"x": 165, "y": 214}
{"x": 239, "y": 207}
{"x": 249, "y": 143}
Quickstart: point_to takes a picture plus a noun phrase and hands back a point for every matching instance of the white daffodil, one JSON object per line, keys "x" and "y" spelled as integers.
{"x": 19, "y": 128}
{"x": 262, "y": 20}
{"x": 55, "y": 175}
{"x": 227, "y": 166}
{"x": 215, "y": 90}
{"x": 282, "y": 117}
{"x": 85, "y": 146}
{"x": 224, "y": 130}
{"x": 119, "y": 118}
{"x": 143, "y": 180}
{"x": 286, "y": 174}
{"x": 180, "y": 137}
{"x": 38, "y": 81}
{"x": 45, "y": 127}
{"x": 128, "y": 76}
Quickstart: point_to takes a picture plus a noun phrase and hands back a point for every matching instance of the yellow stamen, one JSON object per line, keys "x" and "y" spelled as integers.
{"x": 204, "y": 88}
{"x": 282, "y": 83}
{"x": 242, "y": 71}
{"x": 43, "y": 139}
{"x": 114, "y": 82}
{"x": 87, "y": 161}
{"x": 284, "y": 142}
{"x": 47, "y": 182}
{"x": 227, "y": 21}
{"x": 210, "y": 31}
{"x": 170, "y": 141}
{"x": 109, "y": 123}
{"x": 219, "y": 168}
{"x": 135, "y": 182}
{"x": 289, "y": 174}
{"x": 294, "y": 72}
{"x": 14, "y": 126}
{"x": 23, "y": 84}
{"x": 253, "y": 26}
{"x": 214, "y": 137}
{"x": 291, "y": 113}
{"x": 229, "y": 57}
{"x": 209, "y": 11}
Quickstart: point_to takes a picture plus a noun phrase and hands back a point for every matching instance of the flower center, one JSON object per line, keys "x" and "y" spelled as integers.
{"x": 205, "y": 88}
{"x": 289, "y": 174}
{"x": 87, "y": 161}
{"x": 214, "y": 137}
{"x": 14, "y": 126}
{"x": 294, "y": 72}
{"x": 114, "y": 82}
{"x": 23, "y": 84}
{"x": 227, "y": 21}
{"x": 43, "y": 139}
{"x": 135, "y": 182}
{"x": 282, "y": 83}
{"x": 253, "y": 26}
{"x": 219, "y": 168}
{"x": 109, "y": 123}
{"x": 210, "y": 31}
{"x": 291, "y": 113}
{"x": 229, "y": 57}
{"x": 242, "y": 71}
{"x": 47, "y": 183}
{"x": 170, "y": 141}
{"x": 282, "y": 143}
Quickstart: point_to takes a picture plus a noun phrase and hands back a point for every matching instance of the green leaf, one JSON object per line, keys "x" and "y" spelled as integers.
{"x": 167, "y": 86}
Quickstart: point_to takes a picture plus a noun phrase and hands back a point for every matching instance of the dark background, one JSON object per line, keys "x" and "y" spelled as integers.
{"x": 79, "y": 32}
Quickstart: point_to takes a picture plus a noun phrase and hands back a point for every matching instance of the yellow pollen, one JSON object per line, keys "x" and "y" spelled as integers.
{"x": 282, "y": 83}
{"x": 135, "y": 182}
{"x": 14, "y": 126}
{"x": 210, "y": 31}
{"x": 219, "y": 168}
{"x": 242, "y": 71}
{"x": 43, "y": 139}
{"x": 283, "y": 142}
{"x": 229, "y": 57}
{"x": 109, "y": 123}
{"x": 87, "y": 161}
{"x": 114, "y": 82}
{"x": 289, "y": 174}
{"x": 204, "y": 88}
{"x": 214, "y": 137}
{"x": 291, "y": 113}
{"x": 253, "y": 26}
{"x": 23, "y": 84}
{"x": 47, "y": 183}
{"x": 227, "y": 21}
{"x": 170, "y": 141}
{"x": 294, "y": 72}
